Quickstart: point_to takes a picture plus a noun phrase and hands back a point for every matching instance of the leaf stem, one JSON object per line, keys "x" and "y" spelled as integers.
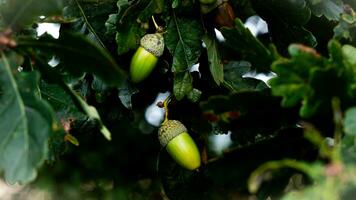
{"x": 165, "y": 106}
{"x": 155, "y": 23}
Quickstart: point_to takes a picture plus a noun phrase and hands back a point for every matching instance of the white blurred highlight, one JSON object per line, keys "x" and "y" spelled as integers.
{"x": 218, "y": 143}
{"x": 154, "y": 115}
{"x": 50, "y": 28}
{"x": 256, "y": 25}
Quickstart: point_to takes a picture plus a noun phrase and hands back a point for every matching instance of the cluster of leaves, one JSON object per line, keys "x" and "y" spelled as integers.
{"x": 309, "y": 79}
{"x": 19, "y": 75}
{"x": 48, "y": 109}
{"x": 336, "y": 179}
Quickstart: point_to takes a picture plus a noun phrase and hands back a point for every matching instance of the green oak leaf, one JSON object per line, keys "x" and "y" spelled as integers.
{"x": 87, "y": 17}
{"x": 215, "y": 64}
{"x": 286, "y": 20}
{"x": 242, "y": 41}
{"x": 27, "y": 122}
{"x": 291, "y": 11}
{"x": 183, "y": 40}
{"x": 311, "y": 80}
{"x": 51, "y": 75}
{"x": 79, "y": 54}
{"x": 128, "y": 24}
{"x": 331, "y": 9}
{"x": 128, "y": 36}
{"x": 182, "y": 84}
{"x": 234, "y": 80}
{"x": 125, "y": 94}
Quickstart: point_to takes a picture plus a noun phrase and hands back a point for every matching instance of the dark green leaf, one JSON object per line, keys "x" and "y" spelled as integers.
{"x": 292, "y": 78}
{"x": 150, "y": 8}
{"x": 127, "y": 36}
{"x": 128, "y": 39}
{"x": 100, "y": 88}
{"x": 125, "y": 95}
{"x": 29, "y": 89}
{"x": 251, "y": 116}
{"x": 89, "y": 110}
{"x": 285, "y": 21}
{"x": 194, "y": 95}
{"x": 88, "y": 17}
{"x": 66, "y": 112}
{"x": 183, "y": 40}
{"x": 291, "y": 11}
{"x": 130, "y": 21}
{"x": 182, "y": 84}
{"x": 215, "y": 65}
{"x": 234, "y": 80}
{"x": 218, "y": 104}
{"x": 80, "y": 55}
{"x": 60, "y": 101}
{"x": 242, "y": 41}
{"x": 284, "y": 34}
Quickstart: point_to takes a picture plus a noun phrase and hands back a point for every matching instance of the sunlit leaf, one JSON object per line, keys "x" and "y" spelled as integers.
{"x": 26, "y": 124}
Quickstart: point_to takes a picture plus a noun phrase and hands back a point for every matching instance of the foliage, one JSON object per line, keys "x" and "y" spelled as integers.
{"x": 76, "y": 126}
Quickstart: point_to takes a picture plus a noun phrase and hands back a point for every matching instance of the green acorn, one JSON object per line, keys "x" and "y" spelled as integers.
{"x": 174, "y": 136}
{"x": 146, "y": 56}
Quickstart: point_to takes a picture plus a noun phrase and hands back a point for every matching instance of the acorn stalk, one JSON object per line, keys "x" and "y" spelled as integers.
{"x": 179, "y": 144}
{"x": 146, "y": 56}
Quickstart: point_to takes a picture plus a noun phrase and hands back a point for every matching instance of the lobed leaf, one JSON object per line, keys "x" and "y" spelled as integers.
{"x": 249, "y": 47}
{"x": 27, "y": 122}
{"x": 311, "y": 80}
{"x": 183, "y": 40}
{"x": 331, "y": 9}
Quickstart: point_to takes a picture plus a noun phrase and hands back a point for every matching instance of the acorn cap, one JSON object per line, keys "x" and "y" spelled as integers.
{"x": 153, "y": 43}
{"x": 170, "y": 130}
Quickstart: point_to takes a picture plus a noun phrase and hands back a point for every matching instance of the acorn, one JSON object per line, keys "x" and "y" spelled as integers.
{"x": 146, "y": 56}
{"x": 179, "y": 144}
